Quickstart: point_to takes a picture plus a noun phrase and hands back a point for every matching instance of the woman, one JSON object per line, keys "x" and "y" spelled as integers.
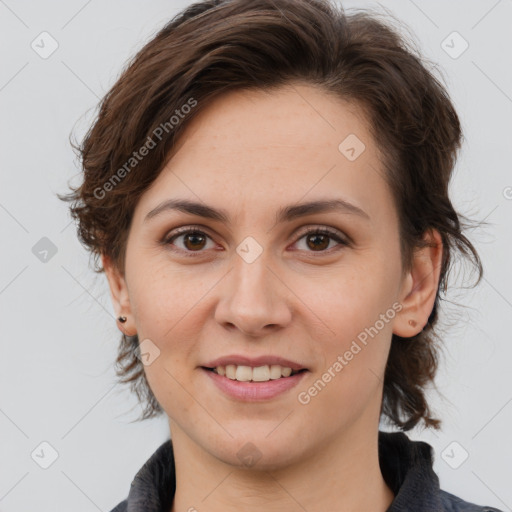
{"x": 267, "y": 188}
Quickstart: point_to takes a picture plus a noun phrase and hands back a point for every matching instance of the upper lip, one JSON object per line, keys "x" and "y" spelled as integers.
{"x": 254, "y": 361}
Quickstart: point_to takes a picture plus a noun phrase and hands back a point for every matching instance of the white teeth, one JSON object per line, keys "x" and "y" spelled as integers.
{"x": 275, "y": 371}
{"x": 231, "y": 371}
{"x": 243, "y": 373}
{"x": 286, "y": 372}
{"x": 256, "y": 374}
{"x": 261, "y": 373}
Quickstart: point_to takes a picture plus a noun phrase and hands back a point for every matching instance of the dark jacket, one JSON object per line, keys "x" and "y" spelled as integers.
{"x": 406, "y": 467}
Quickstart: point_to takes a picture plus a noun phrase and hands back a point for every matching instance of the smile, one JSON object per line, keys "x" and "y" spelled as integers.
{"x": 263, "y": 373}
{"x": 241, "y": 382}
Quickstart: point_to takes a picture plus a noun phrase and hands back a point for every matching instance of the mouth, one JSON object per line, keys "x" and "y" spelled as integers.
{"x": 264, "y": 373}
{"x": 254, "y": 383}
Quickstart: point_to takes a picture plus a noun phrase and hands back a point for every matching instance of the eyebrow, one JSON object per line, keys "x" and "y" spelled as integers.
{"x": 284, "y": 214}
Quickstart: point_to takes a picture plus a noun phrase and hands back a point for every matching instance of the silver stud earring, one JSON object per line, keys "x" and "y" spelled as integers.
{"x": 122, "y": 319}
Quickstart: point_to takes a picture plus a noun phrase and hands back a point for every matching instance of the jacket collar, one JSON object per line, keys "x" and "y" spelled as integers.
{"x": 406, "y": 467}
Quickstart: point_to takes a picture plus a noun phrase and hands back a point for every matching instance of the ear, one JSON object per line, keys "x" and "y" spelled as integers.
{"x": 120, "y": 297}
{"x": 419, "y": 287}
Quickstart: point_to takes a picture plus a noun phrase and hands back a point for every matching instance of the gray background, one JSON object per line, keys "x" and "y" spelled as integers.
{"x": 58, "y": 331}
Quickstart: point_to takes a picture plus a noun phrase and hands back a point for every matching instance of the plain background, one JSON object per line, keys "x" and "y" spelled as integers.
{"x": 58, "y": 331}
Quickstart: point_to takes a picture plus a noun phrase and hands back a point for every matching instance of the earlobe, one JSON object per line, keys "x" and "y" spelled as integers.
{"x": 119, "y": 296}
{"x": 419, "y": 287}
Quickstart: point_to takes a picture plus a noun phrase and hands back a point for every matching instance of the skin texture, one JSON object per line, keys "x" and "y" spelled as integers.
{"x": 251, "y": 153}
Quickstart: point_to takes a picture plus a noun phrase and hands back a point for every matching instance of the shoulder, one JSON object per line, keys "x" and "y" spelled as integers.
{"x": 121, "y": 507}
{"x": 452, "y": 503}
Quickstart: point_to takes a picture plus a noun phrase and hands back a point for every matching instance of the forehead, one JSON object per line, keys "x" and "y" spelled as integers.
{"x": 293, "y": 115}
{"x": 270, "y": 147}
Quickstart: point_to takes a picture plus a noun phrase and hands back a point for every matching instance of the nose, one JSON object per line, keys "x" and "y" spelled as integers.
{"x": 255, "y": 299}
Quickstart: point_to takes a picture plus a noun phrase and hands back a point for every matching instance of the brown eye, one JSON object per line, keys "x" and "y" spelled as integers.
{"x": 193, "y": 240}
{"x": 319, "y": 239}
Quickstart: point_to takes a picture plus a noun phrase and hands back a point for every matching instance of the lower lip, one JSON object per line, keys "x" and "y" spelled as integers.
{"x": 254, "y": 391}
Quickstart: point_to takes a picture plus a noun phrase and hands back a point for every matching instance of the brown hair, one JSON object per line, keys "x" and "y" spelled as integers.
{"x": 216, "y": 46}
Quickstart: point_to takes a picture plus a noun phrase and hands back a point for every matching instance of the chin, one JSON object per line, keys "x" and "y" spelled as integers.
{"x": 257, "y": 453}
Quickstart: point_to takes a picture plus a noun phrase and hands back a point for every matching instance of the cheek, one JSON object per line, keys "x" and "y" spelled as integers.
{"x": 358, "y": 307}
{"x": 355, "y": 356}
{"x": 161, "y": 297}
{"x": 353, "y": 301}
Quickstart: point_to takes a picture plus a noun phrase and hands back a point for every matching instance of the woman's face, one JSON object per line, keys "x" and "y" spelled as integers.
{"x": 255, "y": 284}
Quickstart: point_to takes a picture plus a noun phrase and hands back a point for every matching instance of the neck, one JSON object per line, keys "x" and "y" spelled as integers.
{"x": 343, "y": 474}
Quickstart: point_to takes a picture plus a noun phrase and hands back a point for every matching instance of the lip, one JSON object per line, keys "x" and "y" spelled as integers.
{"x": 254, "y": 391}
{"x": 241, "y": 360}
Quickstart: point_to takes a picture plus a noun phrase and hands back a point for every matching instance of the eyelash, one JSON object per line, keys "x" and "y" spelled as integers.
{"x": 198, "y": 231}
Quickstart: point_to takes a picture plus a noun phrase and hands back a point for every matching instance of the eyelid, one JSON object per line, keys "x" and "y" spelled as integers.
{"x": 327, "y": 230}
{"x": 183, "y": 230}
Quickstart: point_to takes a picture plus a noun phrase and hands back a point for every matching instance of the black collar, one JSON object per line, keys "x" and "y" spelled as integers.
{"x": 405, "y": 465}
{"x": 407, "y": 469}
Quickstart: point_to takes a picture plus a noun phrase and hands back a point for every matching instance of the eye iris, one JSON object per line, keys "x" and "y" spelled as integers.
{"x": 316, "y": 236}
{"x": 193, "y": 236}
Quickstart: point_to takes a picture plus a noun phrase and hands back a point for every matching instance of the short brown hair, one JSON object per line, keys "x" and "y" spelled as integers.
{"x": 215, "y": 46}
